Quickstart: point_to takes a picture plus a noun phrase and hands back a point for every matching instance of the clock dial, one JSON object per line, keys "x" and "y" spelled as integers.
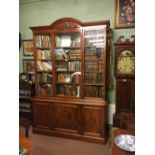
{"x": 126, "y": 63}
{"x": 23, "y": 77}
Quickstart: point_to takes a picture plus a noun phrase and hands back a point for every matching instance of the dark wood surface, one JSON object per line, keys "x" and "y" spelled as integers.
{"x": 79, "y": 121}
{"x": 125, "y": 92}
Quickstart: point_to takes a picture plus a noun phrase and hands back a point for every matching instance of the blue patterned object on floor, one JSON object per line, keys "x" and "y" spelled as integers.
{"x": 23, "y": 151}
{"x": 125, "y": 142}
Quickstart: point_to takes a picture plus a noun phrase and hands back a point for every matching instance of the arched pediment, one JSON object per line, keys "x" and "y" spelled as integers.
{"x": 66, "y": 24}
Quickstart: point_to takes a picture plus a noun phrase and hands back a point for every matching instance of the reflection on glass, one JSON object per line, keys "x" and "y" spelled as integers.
{"x": 94, "y": 54}
{"x": 67, "y": 40}
{"x": 42, "y": 41}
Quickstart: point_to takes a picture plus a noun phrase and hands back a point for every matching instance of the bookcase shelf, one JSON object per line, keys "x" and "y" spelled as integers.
{"x": 70, "y": 68}
{"x": 67, "y": 47}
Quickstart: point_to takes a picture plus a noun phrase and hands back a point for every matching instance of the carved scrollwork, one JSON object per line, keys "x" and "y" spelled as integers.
{"x": 122, "y": 39}
{"x": 132, "y": 39}
{"x": 67, "y": 26}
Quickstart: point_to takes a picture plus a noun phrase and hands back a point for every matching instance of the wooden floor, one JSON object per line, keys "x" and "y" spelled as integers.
{"x": 47, "y": 145}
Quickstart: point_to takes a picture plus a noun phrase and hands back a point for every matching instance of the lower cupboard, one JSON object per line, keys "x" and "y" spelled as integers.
{"x": 83, "y": 119}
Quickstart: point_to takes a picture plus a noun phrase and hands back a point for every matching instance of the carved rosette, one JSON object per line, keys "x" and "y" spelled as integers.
{"x": 67, "y": 26}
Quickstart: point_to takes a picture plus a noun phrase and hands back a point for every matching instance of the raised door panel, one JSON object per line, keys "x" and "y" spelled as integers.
{"x": 93, "y": 121}
{"x": 41, "y": 114}
{"x": 66, "y": 118}
{"x": 125, "y": 91}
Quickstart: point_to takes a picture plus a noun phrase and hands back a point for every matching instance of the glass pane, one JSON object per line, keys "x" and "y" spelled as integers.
{"x": 42, "y": 41}
{"x": 44, "y": 68}
{"x": 44, "y": 65}
{"x": 44, "y": 83}
{"x": 43, "y": 54}
{"x": 44, "y": 89}
{"x": 68, "y": 64}
{"x": 94, "y": 56}
{"x": 94, "y": 91}
{"x": 94, "y": 78}
{"x": 44, "y": 77}
{"x": 68, "y": 90}
{"x": 67, "y": 40}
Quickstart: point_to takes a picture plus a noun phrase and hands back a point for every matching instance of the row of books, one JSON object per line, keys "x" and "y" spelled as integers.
{"x": 68, "y": 90}
{"x": 91, "y": 66}
{"x": 74, "y": 66}
{"x": 44, "y": 65}
{"x": 44, "y": 54}
{"x": 93, "y": 91}
{"x": 73, "y": 78}
{"x": 61, "y": 65}
{"x": 93, "y": 78}
{"x": 64, "y": 78}
{"x": 45, "y": 77}
{"x": 65, "y": 54}
{"x": 44, "y": 89}
{"x": 62, "y": 54}
{"x": 68, "y": 66}
{"x": 94, "y": 66}
{"x": 42, "y": 41}
{"x": 72, "y": 90}
{"x": 93, "y": 53}
{"x": 68, "y": 40}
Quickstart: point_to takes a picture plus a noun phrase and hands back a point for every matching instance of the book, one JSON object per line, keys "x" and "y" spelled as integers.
{"x": 61, "y": 54}
{"x": 91, "y": 91}
{"x": 61, "y": 78}
{"x": 67, "y": 78}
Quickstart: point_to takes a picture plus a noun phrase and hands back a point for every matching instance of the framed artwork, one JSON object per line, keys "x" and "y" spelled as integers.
{"x": 28, "y": 48}
{"x": 124, "y": 13}
{"x": 28, "y": 66}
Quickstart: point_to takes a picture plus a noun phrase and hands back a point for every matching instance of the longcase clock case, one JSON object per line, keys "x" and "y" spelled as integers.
{"x": 125, "y": 77}
{"x": 70, "y": 79}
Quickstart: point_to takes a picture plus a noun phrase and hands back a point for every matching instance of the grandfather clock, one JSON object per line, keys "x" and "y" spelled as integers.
{"x": 125, "y": 77}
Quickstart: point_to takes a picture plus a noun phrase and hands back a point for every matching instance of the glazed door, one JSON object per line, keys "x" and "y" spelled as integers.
{"x": 94, "y": 62}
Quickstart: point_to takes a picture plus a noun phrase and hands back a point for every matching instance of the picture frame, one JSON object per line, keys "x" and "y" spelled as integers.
{"x": 28, "y": 66}
{"x": 28, "y": 48}
{"x": 124, "y": 13}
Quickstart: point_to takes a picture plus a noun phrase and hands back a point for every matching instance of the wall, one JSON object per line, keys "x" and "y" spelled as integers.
{"x": 45, "y": 12}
